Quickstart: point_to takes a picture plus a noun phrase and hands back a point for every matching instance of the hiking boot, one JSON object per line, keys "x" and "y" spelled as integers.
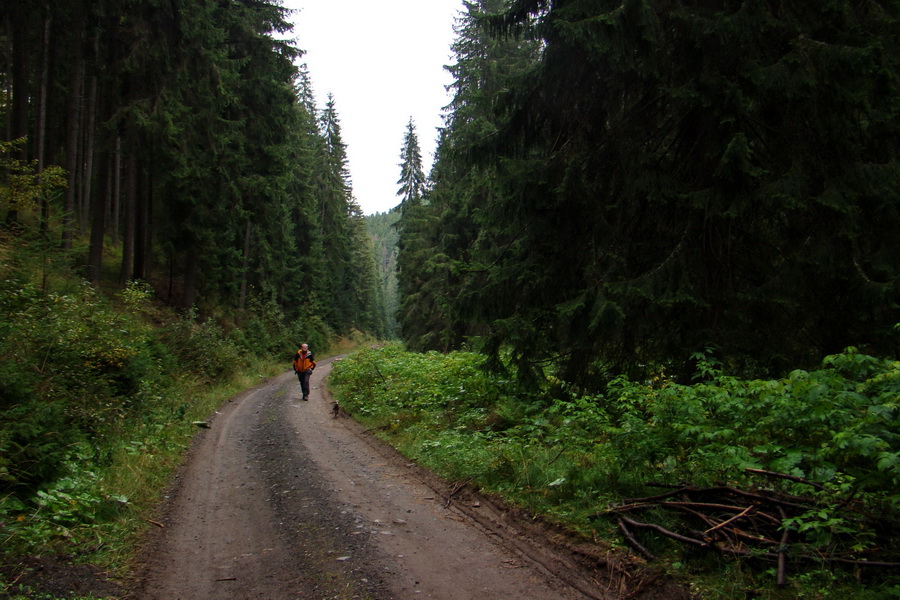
{"x": 306, "y": 397}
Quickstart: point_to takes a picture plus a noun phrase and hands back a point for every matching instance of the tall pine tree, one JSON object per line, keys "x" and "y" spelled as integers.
{"x": 672, "y": 176}
{"x": 413, "y": 185}
{"x": 420, "y": 314}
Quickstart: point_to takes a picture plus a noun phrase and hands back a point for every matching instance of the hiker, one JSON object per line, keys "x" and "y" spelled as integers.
{"x": 304, "y": 363}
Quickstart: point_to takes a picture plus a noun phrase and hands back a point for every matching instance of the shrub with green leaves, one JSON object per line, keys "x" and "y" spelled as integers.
{"x": 569, "y": 455}
{"x": 89, "y": 383}
{"x": 203, "y": 348}
{"x": 838, "y": 423}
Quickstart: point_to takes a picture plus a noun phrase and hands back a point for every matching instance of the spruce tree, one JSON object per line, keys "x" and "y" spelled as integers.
{"x": 188, "y": 128}
{"x": 420, "y": 314}
{"x": 438, "y": 312}
{"x": 412, "y": 175}
{"x": 383, "y": 231}
{"x": 669, "y": 177}
{"x": 335, "y": 203}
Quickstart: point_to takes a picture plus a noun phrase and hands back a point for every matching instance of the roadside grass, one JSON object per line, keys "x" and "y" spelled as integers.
{"x": 100, "y": 396}
{"x": 141, "y": 466}
{"x": 567, "y": 456}
{"x": 99, "y": 512}
{"x": 112, "y": 486}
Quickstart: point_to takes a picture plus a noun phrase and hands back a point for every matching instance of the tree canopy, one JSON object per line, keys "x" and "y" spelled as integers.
{"x": 638, "y": 181}
{"x": 191, "y": 142}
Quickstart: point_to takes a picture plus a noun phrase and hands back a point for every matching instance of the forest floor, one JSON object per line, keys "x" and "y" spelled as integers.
{"x": 280, "y": 499}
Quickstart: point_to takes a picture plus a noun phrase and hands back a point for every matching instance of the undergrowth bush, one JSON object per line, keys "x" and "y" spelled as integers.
{"x": 97, "y": 398}
{"x": 568, "y": 455}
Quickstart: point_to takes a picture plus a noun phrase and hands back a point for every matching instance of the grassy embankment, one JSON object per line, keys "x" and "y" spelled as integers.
{"x": 828, "y": 441}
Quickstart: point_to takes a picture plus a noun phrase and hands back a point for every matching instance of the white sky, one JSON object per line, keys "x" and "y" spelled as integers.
{"x": 384, "y": 62}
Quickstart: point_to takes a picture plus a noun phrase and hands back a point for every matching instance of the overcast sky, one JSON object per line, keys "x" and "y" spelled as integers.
{"x": 383, "y": 60}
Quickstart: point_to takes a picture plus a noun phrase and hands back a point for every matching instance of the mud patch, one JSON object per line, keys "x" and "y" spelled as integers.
{"x": 58, "y": 577}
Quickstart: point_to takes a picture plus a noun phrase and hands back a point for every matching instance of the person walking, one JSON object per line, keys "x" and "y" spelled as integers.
{"x": 304, "y": 364}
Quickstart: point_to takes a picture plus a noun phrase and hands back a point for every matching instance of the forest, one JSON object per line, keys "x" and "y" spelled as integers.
{"x": 190, "y": 145}
{"x": 622, "y": 184}
{"x": 640, "y": 212}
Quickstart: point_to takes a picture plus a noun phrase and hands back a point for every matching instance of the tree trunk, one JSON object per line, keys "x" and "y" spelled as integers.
{"x": 98, "y": 224}
{"x": 99, "y": 214}
{"x": 76, "y": 82}
{"x": 148, "y": 233}
{"x": 141, "y": 227}
{"x": 90, "y": 115}
{"x": 189, "y": 294}
{"x": 129, "y": 214}
{"x": 41, "y": 124}
{"x": 19, "y": 117}
{"x": 245, "y": 275}
{"x": 116, "y": 199}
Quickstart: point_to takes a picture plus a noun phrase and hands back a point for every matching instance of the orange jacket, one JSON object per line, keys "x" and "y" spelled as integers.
{"x": 304, "y": 362}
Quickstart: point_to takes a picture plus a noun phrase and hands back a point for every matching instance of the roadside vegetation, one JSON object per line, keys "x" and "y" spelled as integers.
{"x": 100, "y": 394}
{"x": 818, "y": 451}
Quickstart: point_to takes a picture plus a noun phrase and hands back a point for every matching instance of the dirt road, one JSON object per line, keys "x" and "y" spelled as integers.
{"x": 279, "y": 500}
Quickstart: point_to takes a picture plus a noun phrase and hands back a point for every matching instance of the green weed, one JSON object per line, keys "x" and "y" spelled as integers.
{"x": 97, "y": 398}
{"x": 567, "y": 456}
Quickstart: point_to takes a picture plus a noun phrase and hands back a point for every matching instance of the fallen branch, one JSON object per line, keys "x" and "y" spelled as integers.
{"x": 666, "y": 532}
{"x": 726, "y": 523}
{"x": 680, "y": 490}
{"x": 737, "y": 532}
{"x": 780, "y": 577}
{"x": 455, "y": 491}
{"x": 777, "y": 475}
{"x": 709, "y": 505}
{"x": 861, "y": 563}
{"x": 632, "y": 541}
{"x": 794, "y": 502}
{"x": 745, "y": 523}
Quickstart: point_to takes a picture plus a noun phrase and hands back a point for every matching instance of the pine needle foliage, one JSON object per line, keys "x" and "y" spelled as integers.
{"x": 670, "y": 176}
{"x": 193, "y": 153}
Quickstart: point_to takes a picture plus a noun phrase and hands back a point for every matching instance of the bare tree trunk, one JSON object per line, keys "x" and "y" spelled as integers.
{"x": 191, "y": 269}
{"x": 116, "y": 200}
{"x": 19, "y": 117}
{"x": 245, "y": 276}
{"x": 98, "y": 224}
{"x": 41, "y": 125}
{"x": 140, "y": 228}
{"x": 148, "y": 231}
{"x": 76, "y": 83}
{"x": 129, "y": 214}
{"x": 90, "y": 113}
{"x": 170, "y": 260}
{"x": 99, "y": 214}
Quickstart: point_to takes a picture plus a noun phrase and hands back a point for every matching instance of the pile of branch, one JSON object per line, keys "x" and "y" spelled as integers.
{"x": 743, "y": 523}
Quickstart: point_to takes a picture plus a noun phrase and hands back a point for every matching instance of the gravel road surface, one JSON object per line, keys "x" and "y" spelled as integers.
{"x": 279, "y": 499}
